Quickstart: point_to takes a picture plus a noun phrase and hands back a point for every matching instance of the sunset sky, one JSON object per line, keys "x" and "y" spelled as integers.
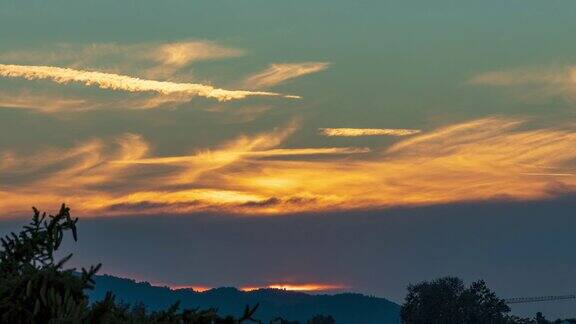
{"x": 342, "y": 145}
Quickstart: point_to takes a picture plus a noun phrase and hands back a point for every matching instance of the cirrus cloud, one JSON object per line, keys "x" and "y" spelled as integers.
{"x": 280, "y": 72}
{"x": 151, "y": 59}
{"x": 183, "y": 53}
{"x": 486, "y": 159}
{"x": 356, "y": 132}
{"x": 532, "y": 83}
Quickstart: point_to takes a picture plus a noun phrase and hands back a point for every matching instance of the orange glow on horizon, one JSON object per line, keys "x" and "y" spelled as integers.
{"x": 197, "y": 288}
{"x": 309, "y": 287}
{"x": 296, "y": 287}
{"x": 193, "y": 287}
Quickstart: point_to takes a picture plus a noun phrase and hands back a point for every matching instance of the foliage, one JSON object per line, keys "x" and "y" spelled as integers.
{"x": 109, "y": 311}
{"x": 447, "y": 300}
{"x": 35, "y": 288}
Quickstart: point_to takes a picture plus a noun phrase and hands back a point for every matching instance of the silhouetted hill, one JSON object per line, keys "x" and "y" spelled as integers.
{"x": 345, "y": 308}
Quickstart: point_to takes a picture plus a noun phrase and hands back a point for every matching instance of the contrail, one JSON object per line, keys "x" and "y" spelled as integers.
{"x": 123, "y": 82}
{"x": 548, "y": 174}
{"x": 265, "y": 153}
{"x": 354, "y": 132}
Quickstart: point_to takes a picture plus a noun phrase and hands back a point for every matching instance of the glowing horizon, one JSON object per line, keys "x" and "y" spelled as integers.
{"x": 193, "y": 287}
{"x": 309, "y": 287}
{"x": 301, "y": 287}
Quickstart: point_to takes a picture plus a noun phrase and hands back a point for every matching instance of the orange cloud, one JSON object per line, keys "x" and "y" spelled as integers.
{"x": 171, "y": 57}
{"x": 355, "y": 132}
{"x": 161, "y": 58}
{"x": 265, "y": 153}
{"x": 281, "y": 72}
{"x": 532, "y": 82}
{"x": 485, "y": 159}
{"x": 44, "y": 102}
{"x": 182, "y": 53}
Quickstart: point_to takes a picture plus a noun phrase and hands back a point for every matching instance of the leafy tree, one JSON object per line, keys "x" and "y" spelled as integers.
{"x": 447, "y": 300}
{"x": 35, "y": 288}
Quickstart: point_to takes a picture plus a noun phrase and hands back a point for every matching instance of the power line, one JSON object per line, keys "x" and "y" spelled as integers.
{"x": 522, "y": 300}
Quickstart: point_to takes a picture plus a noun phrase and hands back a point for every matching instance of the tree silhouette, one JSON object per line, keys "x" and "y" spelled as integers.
{"x": 540, "y": 319}
{"x": 35, "y": 288}
{"x": 447, "y": 300}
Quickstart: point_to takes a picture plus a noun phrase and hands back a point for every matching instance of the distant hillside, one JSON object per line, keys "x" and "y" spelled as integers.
{"x": 345, "y": 308}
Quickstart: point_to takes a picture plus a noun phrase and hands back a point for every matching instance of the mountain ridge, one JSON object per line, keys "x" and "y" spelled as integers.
{"x": 292, "y": 305}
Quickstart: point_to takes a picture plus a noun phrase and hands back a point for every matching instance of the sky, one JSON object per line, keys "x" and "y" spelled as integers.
{"x": 354, "y": 145}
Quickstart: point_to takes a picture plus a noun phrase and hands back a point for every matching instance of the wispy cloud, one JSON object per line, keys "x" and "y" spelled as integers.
{"x": 519, "y": 77}
{"x": 123, "y": 82}
{"x": 44, "y": 102}
{"x": 172, "y": 57}
{"x": 548, "y": 174}
{"x": 80, "y": 172}
{"x": 51, "y": 102}
{"x": 485, "y": 159}
{"x": 151, "y": 59}
{"x": 532, "y": 82}
{"x": 355, "y": 132}
{"x": 281, "y": 72}
{"x": 161, "y": 72}
{"x": 183, "y": 53}
{"x": 265, "y": 153}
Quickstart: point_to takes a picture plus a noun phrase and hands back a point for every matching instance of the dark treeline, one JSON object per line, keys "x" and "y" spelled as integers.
{"x": 36, "y": 288}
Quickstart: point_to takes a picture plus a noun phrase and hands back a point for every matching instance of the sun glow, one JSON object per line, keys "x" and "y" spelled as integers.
{"x": 492, "y": 158}
{"x": 195, "y": 288}
{"x": 307, "y": 287}
{"x": 296, "y": 287}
